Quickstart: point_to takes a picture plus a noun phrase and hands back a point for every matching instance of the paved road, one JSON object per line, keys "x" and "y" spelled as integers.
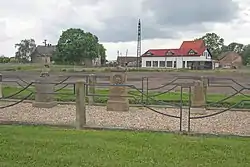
{"x": 156, "y": 79}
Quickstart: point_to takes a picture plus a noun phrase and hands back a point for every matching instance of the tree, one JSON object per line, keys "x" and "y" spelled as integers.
{"x": 4, "y": 59}
{"x": 234, "y": 47}
{"x": 24, "y": 50}
{"x": 102, "y": 54}
{"x": 214, "y": 42}
{"x": 75, "y": 46}
{"x": 246, "y": 55}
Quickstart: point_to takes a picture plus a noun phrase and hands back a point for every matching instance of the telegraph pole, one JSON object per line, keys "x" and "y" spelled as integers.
{"x": 138, "y": 43}
{"x": 45, "y": 42}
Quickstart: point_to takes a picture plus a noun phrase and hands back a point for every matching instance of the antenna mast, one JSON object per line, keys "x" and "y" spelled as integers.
{"x": 138, "y": 43}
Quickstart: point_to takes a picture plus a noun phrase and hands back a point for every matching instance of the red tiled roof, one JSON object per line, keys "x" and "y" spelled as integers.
{"x": 197, "y": 46}
{"x": 192, "y": 44}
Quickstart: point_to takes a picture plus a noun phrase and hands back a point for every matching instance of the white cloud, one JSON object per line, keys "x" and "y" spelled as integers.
{"x": 46, "y": 19}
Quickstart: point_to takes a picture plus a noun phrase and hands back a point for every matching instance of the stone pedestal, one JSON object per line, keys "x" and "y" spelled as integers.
{"x": 117, "y": 100}
{"x": 198, "y": 98}
{"x": 44, "y": 94}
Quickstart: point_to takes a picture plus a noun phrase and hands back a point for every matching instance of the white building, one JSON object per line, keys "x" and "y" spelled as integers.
{"x": 191, "y": 54}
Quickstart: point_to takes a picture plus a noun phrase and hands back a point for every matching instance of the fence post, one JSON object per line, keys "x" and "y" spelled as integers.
{"x": 1, "y": 82}
{"x": 198, "y": 98}
{"x": 80, "y": 105}
{"x": 91, "y": 88}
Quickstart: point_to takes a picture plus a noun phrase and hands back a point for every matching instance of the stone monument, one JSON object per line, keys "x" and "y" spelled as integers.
{"x": 198, "y": 101}
{"x": 44, "y": 93}
{"x": 118, "y": 100}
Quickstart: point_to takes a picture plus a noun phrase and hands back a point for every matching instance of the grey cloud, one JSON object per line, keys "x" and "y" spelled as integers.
{"x": 169, "y": 17}
{"x": 160, "y": 18}
{"x": 181, "y": 13}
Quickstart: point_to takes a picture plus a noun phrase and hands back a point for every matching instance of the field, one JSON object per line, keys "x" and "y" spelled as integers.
{"x": 46, "y": 147}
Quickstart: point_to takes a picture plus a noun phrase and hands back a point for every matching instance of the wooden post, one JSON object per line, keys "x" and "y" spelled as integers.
{"x": 80, "y": 105}
{"x": 1, "y": 82}
{"x": 91, "y": 87}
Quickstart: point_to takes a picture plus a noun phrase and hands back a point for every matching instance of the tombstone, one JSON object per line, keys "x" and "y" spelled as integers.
{"x": 117, "y": 100}
{"x": 198, "y": 101}
{"x": 44, "y": 93}
{"x": 45, "y": 71}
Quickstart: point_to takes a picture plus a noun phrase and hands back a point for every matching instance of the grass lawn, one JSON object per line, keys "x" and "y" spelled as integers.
{"x": 23, "y": 146}
{"x": 67, "y": 94}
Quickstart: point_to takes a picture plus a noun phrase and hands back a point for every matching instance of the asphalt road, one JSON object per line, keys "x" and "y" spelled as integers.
{"x": 156, "y": 79}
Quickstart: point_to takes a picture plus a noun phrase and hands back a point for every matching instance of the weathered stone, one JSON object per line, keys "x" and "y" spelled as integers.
{"x": 91, "y": 88}
{"x": 44, "y": 94}
{"x": 80, "y": 105}
{"x": 198, "y": 101}
{"x": 118, "y": 100}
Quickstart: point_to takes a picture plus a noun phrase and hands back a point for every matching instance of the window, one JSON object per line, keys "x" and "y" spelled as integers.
{"x": 174, "y": 64}
{"x": 155, "y": 63}
{"x": 162, "y": 64}
{"x": 148, "y": 63}
{"x": 149, "y": 54}
{"x": 183, "y": 64}
{"x": 189, "y": 64}
{"x": 169, "y": 53}
{"x": 191, "y": 52}
{"x": 169, "y": 63}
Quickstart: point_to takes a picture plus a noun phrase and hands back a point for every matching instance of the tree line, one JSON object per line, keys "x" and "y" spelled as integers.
{"x": 75, "y": 45}
{"x": 216, "y": 45}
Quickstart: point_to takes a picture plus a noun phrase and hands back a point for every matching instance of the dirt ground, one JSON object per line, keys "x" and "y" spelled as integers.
{"x": 219, "y": 82}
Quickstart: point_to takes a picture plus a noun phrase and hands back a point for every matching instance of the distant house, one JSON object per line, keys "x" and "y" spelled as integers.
{"x": 191, "y": 54}
{"x": 42, "y": 54}
{"x": 130, "y": 60}
{"x": 230, "y": 60}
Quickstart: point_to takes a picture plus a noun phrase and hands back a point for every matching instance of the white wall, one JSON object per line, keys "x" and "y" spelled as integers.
{"x": 179, "y": 60}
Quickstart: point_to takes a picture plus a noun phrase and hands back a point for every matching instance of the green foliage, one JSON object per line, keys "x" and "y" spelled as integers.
{"x": 75, "y": 46}
{"x": 4, "y": 59}
{"x": 216, "y": 46}
{"x": 102, "y": 53}
{"x": 234, "y": 47}
{"x": 24, "y": 50}
{"x": 214, "y": 42}
{"x": 246, "y": 55}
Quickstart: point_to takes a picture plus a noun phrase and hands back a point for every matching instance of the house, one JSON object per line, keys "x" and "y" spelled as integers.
{"x": 130, "y": 60}
{"x": 42, "y": 54}
{"x": 230, "y": 60}
{"x": 191, "y": 54}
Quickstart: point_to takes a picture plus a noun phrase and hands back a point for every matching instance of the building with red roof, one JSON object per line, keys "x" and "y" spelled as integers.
{"x": 191, "y": 54}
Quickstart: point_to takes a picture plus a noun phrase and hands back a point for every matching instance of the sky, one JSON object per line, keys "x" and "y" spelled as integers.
{"x": 165, "y": 23}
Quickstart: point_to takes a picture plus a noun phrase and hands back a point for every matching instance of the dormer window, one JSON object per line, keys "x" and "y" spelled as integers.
{"x": 169, "y": 53}
{"x": 192, "y": 52}
{"x": 149, "y": 54}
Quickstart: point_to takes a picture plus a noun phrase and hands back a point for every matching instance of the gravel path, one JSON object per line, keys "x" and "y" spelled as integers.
{"x": 230, "y": 122}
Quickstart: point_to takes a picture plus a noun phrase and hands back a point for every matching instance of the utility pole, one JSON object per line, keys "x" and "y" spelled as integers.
{"x": 138, "y": 43}
{"x": 45, "y": 42}
{"x": 126, "y": 61}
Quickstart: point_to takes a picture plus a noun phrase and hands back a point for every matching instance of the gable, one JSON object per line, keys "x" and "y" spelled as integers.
{"x": 192, "y": 52}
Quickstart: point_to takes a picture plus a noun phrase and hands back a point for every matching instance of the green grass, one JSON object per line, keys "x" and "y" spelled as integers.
{"x": 52, "y": 147}
{"x": 67, "y": 95}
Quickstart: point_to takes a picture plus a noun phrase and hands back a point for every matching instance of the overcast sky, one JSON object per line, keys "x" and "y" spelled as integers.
{"x": 165, "y": 23}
